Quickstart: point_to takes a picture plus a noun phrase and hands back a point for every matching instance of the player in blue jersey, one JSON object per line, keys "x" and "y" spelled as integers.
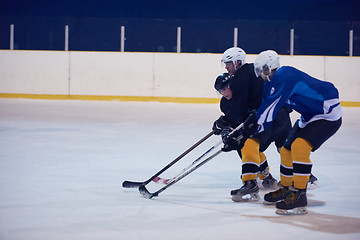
{"x": 321, "y": 116}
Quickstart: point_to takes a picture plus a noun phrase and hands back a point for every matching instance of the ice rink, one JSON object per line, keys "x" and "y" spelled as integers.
{"x": 62, "y": 164}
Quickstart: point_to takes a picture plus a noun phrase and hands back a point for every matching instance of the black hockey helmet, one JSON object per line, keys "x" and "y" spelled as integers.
{"x": 222, "y": 81}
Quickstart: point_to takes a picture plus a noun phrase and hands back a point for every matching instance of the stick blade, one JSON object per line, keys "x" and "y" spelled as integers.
{"x": 161, "y": 180}
{"x": 143, "y": 191}
{"x": 130, "y": 184}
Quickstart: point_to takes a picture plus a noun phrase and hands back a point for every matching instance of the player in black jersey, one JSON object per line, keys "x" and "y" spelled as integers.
{"x": 242, "y": 94}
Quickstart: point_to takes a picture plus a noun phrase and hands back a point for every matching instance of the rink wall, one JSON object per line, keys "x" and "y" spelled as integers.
{"x": 130, "y": 76}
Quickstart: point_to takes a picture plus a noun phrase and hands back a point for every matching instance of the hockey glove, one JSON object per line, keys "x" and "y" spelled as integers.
{"x": 225, "y": 132}
{"x": 233, "y": 143}
{"x": 250, "y": 126}
{"x": 219, "y": 125}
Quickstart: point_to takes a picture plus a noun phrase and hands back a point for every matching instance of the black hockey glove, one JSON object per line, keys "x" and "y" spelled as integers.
{"x": 250, "y": 126}
{"x": 225, "y": 132}
{"x": 220, "y": 124}
{"x": 233, "y": 142}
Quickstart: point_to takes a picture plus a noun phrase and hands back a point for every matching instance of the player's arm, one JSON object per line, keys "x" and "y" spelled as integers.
{"x": 256, "y": 86}
{"x": 271, "y": 105}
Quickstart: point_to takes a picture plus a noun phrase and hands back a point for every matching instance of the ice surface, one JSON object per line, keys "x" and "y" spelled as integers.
{"x": 62, "y": 164}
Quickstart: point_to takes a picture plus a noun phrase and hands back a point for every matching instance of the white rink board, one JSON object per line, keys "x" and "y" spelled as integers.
{"x": 29, "y": 72}
{"x": 99, "y": 73}
{"x": 148, "y": 74}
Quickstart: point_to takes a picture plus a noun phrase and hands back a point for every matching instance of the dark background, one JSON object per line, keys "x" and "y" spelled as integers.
{"x": 321, "y": 27}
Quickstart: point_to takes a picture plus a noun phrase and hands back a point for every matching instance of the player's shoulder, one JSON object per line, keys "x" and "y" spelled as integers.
{"x": 224, "y": 101}
{"x": 224, "y": 104}
{"x": 287, "y": 69}
{"x": 248, "y": 66}
{"x": 284, "y": 72}
{"x": 245, "y": 69}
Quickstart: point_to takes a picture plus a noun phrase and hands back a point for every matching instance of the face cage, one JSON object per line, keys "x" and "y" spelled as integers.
{"x": 220, "y": 92}
{"x": 265, "y": 70}
{"x": 223, "y": 64}
{"x": 223, "y": 89}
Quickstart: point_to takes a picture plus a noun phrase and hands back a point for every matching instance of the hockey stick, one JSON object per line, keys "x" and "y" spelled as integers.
{"x": 149, "y": 195}
{"x": 168, "y": 180}
{"x": 130, "y": 184}
{"x": 184, "y": 173}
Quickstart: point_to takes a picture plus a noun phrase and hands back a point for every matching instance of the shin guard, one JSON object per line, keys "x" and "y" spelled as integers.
{"x": 264, "y": 166}
{"x": 300, "y": 152}
{"x": 286, "y": 167}
{"x": 250, "y": 159}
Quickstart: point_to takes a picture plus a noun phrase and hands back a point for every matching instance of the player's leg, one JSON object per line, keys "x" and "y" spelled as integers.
{"x": 286, "y": 178}
{"x": 268, "y": 181}
{"x": 309, "y": 138}
{"x": 295, "y": 201}
{"x": 250, "y": 169}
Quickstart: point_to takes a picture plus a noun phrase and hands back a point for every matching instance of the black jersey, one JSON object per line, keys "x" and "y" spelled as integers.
{"x": 247, "y": 95}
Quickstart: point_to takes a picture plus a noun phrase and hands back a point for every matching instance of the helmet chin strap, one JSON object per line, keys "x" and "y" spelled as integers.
{"x": 266, "y": 76}
{"x": 237, "y": 64}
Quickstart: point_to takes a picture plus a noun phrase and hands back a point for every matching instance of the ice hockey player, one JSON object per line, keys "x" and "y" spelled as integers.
{"x": 321, "y": 116}
{"x": 242, "y": 92}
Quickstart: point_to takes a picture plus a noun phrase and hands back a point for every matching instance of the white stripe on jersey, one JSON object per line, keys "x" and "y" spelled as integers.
{"x": 267, "y": 114}
{"x": 335, "y": 114}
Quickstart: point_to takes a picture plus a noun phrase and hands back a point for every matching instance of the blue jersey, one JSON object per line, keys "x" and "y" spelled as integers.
{"x": 312, "y": 98}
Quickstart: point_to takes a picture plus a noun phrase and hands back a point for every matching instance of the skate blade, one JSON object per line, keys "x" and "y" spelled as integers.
{"x": 269, "y": 203}
{"x": 253, "y": 197}
{"x": 295, "y": 211}
{"x": 273, "y": 186}
{"x": 313, "y": 185}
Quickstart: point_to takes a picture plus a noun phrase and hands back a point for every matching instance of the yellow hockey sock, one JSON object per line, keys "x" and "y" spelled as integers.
{"x": 263, "y": 161}
{"x": 250, "y": 159}
{"x": 300, "y": 152}
{"x": 286, "y": 168}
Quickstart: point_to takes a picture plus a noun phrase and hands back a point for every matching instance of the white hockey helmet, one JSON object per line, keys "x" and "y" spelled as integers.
{"x": 234, "y": 54}
{"x": 265, "y": 62}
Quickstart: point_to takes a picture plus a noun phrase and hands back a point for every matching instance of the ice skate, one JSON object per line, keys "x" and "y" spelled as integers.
{"x": 269, "y": 182}
{"x": 247, "y": 193}
{"x": 313, "y": 182}
{"x": 272, "y": 198}
{"x": 294, "y": 204}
